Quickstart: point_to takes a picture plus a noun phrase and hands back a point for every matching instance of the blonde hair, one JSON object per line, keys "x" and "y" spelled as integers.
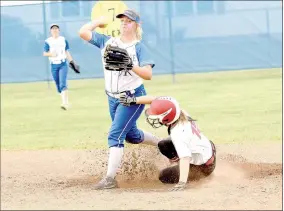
{"x": 184, "y": 117}
{"x": 139, "y": 32}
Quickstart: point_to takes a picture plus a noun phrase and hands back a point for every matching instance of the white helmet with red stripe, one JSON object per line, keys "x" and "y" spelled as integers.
{"x": 163, "y": 111}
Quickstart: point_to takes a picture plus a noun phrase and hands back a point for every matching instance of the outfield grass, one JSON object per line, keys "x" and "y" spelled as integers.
{"x": 234, "y": 106}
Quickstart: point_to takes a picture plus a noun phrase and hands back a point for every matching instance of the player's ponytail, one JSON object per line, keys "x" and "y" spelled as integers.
{"x": 184, "y": 117}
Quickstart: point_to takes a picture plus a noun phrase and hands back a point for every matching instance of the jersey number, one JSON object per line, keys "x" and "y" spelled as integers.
{"x": 113, "y": 10}
{"x": 114, "y": 33}
{"x": 195, "y": 130}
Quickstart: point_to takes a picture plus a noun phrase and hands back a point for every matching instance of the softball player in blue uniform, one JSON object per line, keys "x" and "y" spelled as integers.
{"x": 124, "y": 118}
{"x": 56, "y": 48}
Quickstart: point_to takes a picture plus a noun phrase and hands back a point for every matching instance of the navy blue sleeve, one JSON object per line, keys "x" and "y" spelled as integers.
{"x": 99, "y": 40}
{"x": 143, "y": 55}
{"x": 46, "y": 47}
{"x": 67, "y": 45}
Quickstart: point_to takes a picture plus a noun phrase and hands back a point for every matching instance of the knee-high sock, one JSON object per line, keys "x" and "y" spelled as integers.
{"x": 150, "y": 139}
{"x": 64, "y": 97}
{"x": 114, "y": 160}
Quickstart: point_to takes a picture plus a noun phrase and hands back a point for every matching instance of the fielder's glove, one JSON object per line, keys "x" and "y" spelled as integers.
{"x": 117, "y": 59}
{"x": 126, "y": 100}
{"x": 178, "y": 187}
{"x": 74, "y": 67}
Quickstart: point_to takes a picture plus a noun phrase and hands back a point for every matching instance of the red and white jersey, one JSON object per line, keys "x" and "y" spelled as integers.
{"x": 190, "y": 142}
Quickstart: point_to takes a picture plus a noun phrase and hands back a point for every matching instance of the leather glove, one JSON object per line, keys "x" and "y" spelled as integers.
{"x": 127, "y": 100}
{"x": 74, "y": 67}
{"x": 117, "y": 59}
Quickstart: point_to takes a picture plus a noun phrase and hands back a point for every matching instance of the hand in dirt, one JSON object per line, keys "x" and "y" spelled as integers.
{"x": 178, "y": 187}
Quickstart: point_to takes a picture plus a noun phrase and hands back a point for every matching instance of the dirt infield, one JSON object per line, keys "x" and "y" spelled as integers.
{"x": 246, "y": 177}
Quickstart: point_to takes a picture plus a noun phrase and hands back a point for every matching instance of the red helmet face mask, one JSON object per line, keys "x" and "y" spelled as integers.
{"x": 162, "y": 111}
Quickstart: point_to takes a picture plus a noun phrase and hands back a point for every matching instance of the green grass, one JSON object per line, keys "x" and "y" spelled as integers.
{"x": 234, "y": 106}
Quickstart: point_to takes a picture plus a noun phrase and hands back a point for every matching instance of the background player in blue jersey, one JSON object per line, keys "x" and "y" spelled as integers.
{"x": 124, "y": 118}
{"x": 56, "y": 48}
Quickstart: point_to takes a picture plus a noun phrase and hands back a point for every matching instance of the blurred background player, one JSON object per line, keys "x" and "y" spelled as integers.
{"x": 56, "y": 48}
{"x": 185, "y": 144}
{"x": 123, "y": 118}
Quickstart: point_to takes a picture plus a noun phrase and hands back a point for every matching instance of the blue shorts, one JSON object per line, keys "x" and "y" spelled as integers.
{"x": 124, "y": 119}
{"x": 59, "y": 73}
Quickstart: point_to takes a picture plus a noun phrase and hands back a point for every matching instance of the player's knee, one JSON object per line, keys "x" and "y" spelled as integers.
{"x": 167, "y": 148}
{"x": 169, "y": 177}
{"x": 134, "y": 137}
{"x": 162, "y": 178}
{"x": 133, "y": 141}
{"x": 163, "y": 146}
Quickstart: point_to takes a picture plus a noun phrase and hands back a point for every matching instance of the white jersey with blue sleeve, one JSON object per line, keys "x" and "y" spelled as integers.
{"x": 115, "y": 81}
{"x": 59, "y": 46}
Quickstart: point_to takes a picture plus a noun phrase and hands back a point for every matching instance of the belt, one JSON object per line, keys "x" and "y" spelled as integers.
{"x": 211, "y": 160}
{"x": 117, "y": 94}
{"x": 58, "y": 61}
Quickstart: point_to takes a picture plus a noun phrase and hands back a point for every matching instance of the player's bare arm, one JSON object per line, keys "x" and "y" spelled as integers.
{"x": 69, "y": 57}
{"x": 184, "y": 171}
{"x": 144, "y": 72}
{"x": 127, "y": 100}
{"x": 145, "y": 99}
{"x": 86, "y": 30}
{"x": 49, "y": 54}
{"x": 184, "y": 168}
